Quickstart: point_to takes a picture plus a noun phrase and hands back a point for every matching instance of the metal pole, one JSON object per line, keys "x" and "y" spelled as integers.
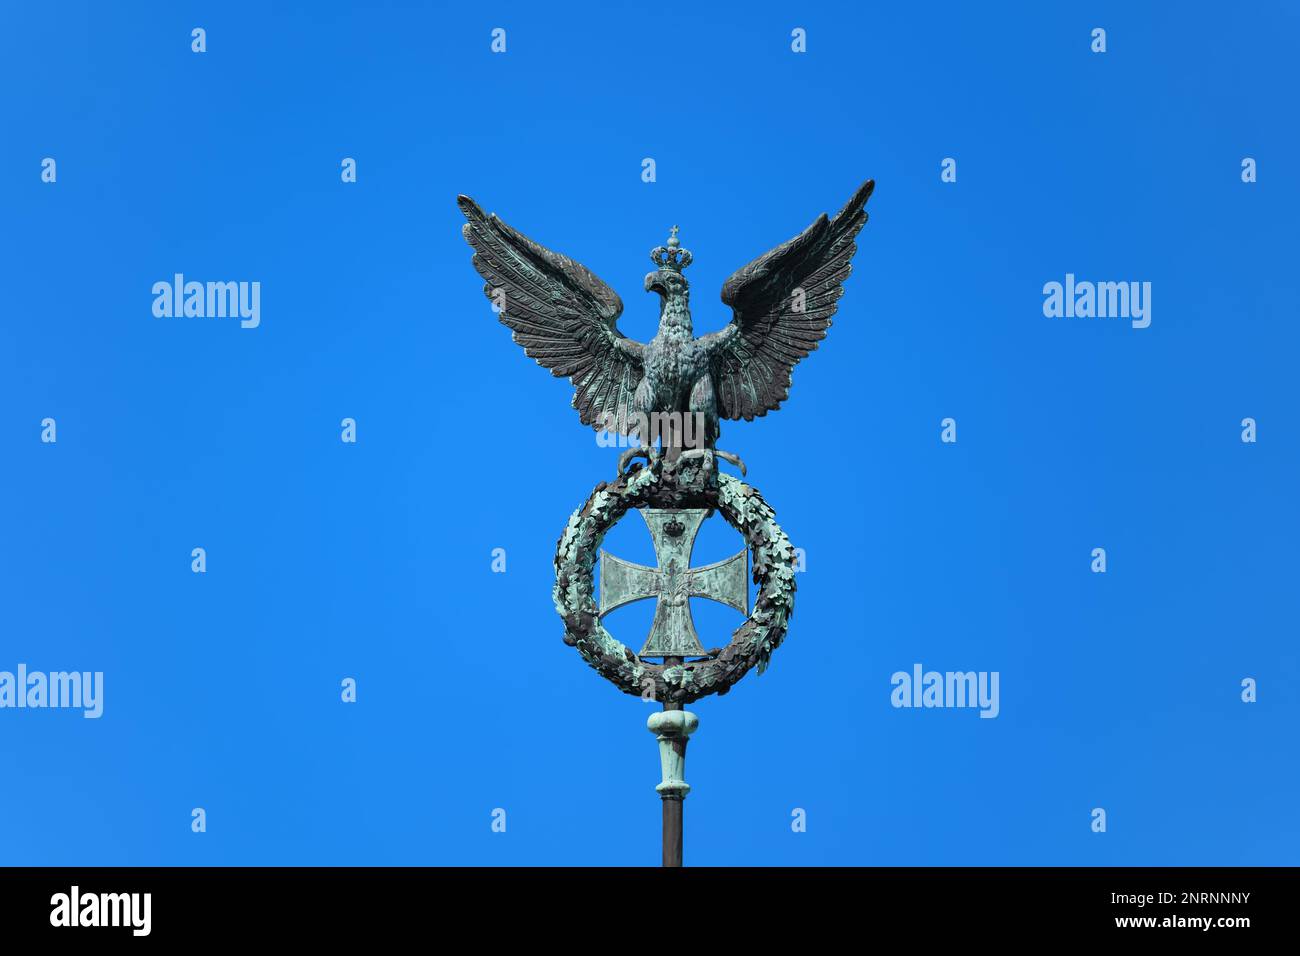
{"x": 672, "y": 727}
{"x": 674, "y": 803}
{"x": 673, "y": 830}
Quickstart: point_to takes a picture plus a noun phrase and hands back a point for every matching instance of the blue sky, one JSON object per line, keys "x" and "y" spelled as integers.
{"x": 372, "y": 560}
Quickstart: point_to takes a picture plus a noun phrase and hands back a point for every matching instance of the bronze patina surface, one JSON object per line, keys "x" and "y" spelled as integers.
{"x": 673, "y": 582}
{"x": 670, "y": 395}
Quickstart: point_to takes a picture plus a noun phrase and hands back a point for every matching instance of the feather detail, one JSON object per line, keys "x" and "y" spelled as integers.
{"x": 560, "y": 312}
{"x": 772, "y": 330}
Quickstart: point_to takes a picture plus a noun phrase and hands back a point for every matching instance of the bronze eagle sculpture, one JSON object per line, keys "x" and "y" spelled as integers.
{"x": 566, "y": 318}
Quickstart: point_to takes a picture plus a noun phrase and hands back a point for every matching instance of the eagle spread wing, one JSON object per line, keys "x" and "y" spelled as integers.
{"x": 774, "y": 327}
{"x": 560, "y": 312}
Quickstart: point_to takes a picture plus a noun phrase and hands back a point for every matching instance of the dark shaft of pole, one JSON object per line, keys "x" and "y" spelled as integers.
{"x": 673, "y": 804}
{"x": 672, "y": 831}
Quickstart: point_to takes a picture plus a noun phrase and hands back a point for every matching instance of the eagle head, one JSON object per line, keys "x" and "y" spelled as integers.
{"x": 665, "y": 283}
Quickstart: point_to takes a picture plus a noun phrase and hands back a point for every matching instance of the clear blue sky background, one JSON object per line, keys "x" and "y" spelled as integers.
{"x": 373, "y": 560}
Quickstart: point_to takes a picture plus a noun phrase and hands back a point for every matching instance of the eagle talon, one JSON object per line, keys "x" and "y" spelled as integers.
{"x": 645, "y": 451}
{"x": 708, "y": 455}
{"x": 734, "y": 459}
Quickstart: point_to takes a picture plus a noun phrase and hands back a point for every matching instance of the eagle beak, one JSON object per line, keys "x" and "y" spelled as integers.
{"x": 652, "y": 283}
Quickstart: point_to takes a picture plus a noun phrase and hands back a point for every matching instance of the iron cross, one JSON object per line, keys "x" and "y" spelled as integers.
{"x": 673, "y": 583}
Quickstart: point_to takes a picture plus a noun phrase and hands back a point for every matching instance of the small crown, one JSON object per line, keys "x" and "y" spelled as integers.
{"x": 674, "y": 528}
{"x": 672, "y": 257}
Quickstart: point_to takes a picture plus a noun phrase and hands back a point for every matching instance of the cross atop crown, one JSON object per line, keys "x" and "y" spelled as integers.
{"x": 671, "y": 257}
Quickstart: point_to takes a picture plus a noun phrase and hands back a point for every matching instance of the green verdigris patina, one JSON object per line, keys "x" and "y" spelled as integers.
{"x": 566, "y": 319}
{"x": 673, "y": 582}
{"x": 751, "y": 644}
